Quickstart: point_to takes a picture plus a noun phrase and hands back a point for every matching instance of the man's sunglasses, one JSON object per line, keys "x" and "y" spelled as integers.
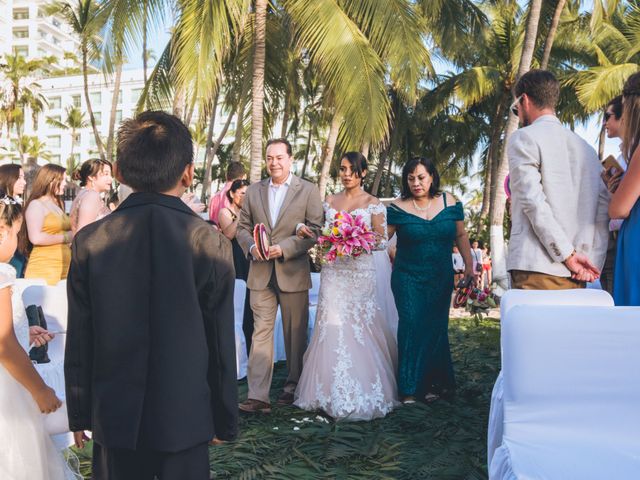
{"x": 514, "y": 105}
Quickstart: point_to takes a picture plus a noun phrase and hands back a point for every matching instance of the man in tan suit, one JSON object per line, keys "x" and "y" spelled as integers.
{"x": 283, "y": 203}
{"x": 559, "y": 202}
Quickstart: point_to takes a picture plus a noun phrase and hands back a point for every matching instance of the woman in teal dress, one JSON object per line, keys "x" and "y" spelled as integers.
{"x": 427, "y": 223}
{"x": 625, "y": 202}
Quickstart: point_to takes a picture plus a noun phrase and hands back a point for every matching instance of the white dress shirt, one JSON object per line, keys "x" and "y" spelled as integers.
{"x": 276, "y": 198}
{"x": 458, "y": 262}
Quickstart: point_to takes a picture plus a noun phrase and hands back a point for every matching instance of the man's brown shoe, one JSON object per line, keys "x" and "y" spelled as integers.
{"x": 285, "y": 398}
{"x": 254, "y": 406}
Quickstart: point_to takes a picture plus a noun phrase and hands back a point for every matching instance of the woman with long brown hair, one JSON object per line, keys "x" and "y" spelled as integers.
{"x": 46, "y": 233}
{"x": 625, "y": 202}
{"x": 95, "y": 179}
{"x": 12, "y": 180}
{"x": 13, "y": 183}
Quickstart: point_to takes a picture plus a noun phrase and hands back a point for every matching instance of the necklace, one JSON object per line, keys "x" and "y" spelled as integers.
{"x": 420, "y": 209}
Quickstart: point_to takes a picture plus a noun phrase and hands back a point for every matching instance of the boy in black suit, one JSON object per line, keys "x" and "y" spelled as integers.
{"x": 150, "y": 357}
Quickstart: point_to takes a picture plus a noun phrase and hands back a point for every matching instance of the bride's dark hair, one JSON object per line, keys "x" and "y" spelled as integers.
{"x": 358, "y": 162}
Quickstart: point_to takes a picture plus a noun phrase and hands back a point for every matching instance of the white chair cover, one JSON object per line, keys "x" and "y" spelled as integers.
{"x": 532, "y": 297}
{"x": 279, "y": 353}
{"x": 242, "y": 360}
{"x": 571, "y": 394}
{"x": 53, "y": 300}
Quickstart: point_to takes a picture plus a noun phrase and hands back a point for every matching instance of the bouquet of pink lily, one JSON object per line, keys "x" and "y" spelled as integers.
{"x": 346, "y": 236}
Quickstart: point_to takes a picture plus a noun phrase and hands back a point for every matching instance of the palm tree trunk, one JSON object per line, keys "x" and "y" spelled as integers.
{"x": 114, "y": 108}
{"x": 179, "y": 101}
{"x": 306, "y": 153}
{"x": 87, "y": 99}
{"x": 496, "y": 210}
{"x": 285, "y": 118}
{"x": 378, "y": 178}
{"x": 237, "y": 142}
{"x": 365, "y": 149}
{"x": 327, "y": 153}
{"x": 551, "y": 36}
{"x": 144, "y": 40}
{"x": 206, "y": 187}
{"x": 257, "y": 103}
{"x": 388, "y": 183}
{"x": 192, "y": 107}
{"x": 493, "y": 155}
{"x": 218, "y": 142}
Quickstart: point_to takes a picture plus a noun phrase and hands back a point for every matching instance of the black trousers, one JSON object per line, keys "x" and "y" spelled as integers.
{"x": 123, "y": 464}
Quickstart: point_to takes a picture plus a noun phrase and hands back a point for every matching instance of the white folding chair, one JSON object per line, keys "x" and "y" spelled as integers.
{"x": 571, "y": 394}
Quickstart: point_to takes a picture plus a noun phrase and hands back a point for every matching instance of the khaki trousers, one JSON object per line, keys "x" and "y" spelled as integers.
{"x": 541, "y": 281}
{"x": 295, "y": 321}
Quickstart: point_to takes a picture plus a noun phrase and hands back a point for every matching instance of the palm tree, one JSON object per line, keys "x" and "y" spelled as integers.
{"x": 21, "y": 93}
{"x": 611, "y": 51}
{"x": 86, "y": 21}
{"x": 33, "y": 147}
{"x": 73, "y": 121}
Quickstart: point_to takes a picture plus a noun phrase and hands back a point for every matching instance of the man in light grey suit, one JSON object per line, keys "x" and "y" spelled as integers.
{"x": 559, "y": 202}
{"x": 283, "y": 203}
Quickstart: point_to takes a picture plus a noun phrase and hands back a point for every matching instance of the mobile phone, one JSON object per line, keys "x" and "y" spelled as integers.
{"x": 611, "y": 165}
{"x": 464, "y": 283}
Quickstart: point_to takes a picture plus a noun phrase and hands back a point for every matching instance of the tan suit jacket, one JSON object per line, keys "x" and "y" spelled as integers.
{"x": 558, "y": 200}
{"x": 301, "y": 204}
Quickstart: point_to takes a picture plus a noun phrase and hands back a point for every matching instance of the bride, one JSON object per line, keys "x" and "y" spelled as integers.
{"x": 349, "y": 366}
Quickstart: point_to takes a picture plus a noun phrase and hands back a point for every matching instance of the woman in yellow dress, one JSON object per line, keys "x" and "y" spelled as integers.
{"x": 46, "y": 232}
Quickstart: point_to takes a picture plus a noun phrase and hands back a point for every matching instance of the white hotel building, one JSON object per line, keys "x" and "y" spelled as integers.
{"x": 26, "y": 30}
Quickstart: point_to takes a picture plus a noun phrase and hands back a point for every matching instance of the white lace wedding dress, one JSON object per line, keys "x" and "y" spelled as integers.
{"x": 349, "y": 366}
{"x": 27, "y": 451}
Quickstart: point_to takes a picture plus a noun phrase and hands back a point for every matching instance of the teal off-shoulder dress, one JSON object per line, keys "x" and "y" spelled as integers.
{"x": 422, "y": 283}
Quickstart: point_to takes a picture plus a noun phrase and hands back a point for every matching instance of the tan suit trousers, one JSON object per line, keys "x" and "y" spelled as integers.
{"x": 524, "y": 280}
{"x": 294, "y": 307}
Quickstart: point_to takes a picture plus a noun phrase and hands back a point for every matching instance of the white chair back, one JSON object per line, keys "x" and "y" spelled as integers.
{"x": 53, "y": 301}
{"x": 242, "y": 360}
{"x": 554, "y": 297}
{"x": 571, "y": 391}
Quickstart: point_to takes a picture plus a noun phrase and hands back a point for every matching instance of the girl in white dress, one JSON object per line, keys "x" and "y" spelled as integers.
{"x": 349, "y": 366}
{"x": 27, "y": 451}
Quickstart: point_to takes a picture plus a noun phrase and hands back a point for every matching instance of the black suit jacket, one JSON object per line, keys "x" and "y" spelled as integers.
{"x": 150, "y": 355}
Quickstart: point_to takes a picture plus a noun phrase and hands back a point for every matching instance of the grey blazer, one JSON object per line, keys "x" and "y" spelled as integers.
{"x": 301, "y": 205}
{"x": 558, "y": 200}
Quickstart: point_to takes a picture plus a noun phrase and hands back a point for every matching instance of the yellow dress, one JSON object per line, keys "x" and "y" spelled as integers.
{"x": 51, "y": 262}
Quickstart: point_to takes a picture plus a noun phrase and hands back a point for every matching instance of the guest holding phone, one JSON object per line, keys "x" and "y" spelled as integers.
{"x": 624, "y": 203}
{"x": 614, "y": 169}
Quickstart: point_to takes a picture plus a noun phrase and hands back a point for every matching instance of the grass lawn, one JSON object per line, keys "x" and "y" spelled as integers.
{"x": 443, "y": 440}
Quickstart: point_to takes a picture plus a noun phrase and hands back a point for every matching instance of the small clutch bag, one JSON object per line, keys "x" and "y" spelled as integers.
{"x": 261, "y": 240}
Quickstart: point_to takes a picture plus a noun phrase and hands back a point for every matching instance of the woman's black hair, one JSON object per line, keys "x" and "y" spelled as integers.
{"x": 357, "y": 161}
{"x": 10, "y": 209}
{"x": 235, "y": 186}
{"x": 410, "y": 167}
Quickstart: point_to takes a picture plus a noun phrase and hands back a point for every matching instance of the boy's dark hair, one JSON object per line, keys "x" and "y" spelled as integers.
{"x": 541, "y": 86}
{"x": 283, "y": 141}
{"x": 235, "y": 170}
{"x": 153, "y": 150}
{"x": 616, "y": 106}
